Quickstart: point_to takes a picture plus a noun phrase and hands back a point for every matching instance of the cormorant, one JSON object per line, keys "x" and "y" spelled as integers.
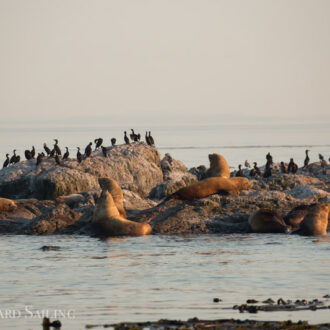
{"x": 268, "y": 170}
{"x": 151, "y": 139}
{"x": 46, "y": 149}
{"x": 79, "y": 155}
{"x": 292, "y": 167}
{"x": 321, "y": 157}
{"x": 13, "y": 158}
{"x": 147, "y": 139}
{"x": 88, "y": 149}
{"x": 247, "y": 164}
{"x": 138, "y": 137}
{"x": 52, "y": 153}
{"x": 113, "y": 141}
{"x": 6, "y": 162}
{"x": 255, "y": 170}
{"x": 33, "y": 152}
{"x": 39, "y": 158}
{"x": 133, "y": 136}
{"x": 104, "y": 151}
{"x": 27, "y": 154}
{"x": 98, "y": 143}
{"x": 126, "y": 138}
{"x": 57, "y": 148}
{"x": 57, "y": 159}
{"x": 283, "y": 168}
{"x": 306, "y": 161}
{"x": 240, "y": 171}
{"x": 66, "y": 155}
{"x": 324, "y": 165}
{"x": 269, "y": 159}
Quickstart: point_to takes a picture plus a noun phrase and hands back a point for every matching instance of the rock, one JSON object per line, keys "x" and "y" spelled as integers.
{"x": 302, "y": 192}
{"x": 135, "y": 166}
{"x": 71, "y": 200}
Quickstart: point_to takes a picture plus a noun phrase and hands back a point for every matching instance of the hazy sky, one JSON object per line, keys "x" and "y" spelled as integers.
{"x": 155, "y": 58}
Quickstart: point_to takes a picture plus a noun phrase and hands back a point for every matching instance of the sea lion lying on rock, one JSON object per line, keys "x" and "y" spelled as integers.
{"x": 315, "y": 222}
{"x": 267, "y": 221}
{"x": 106, "y": 215}
{"x": 218, "y": 167}
{"x": 115, "y": 191}
{"x": 212, "y": 186}
{"x": 7, "y": 205}
{"x": 296, "y": 215}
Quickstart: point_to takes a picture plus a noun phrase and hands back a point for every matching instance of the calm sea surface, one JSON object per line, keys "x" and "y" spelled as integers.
{"x": 148, "y": 278}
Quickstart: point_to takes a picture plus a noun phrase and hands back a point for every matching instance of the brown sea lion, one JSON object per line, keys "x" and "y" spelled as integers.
{"x": 267, "y": 221}
{"x": 296, "y": 215}
{"x": 218, "y": 167}
{"x": 112, "y": 186}
{"x": 7, "y": 205}
{"x": 212, "y": 186}
{"x": 315, "y": 222}
{"x": 107, "y": 217}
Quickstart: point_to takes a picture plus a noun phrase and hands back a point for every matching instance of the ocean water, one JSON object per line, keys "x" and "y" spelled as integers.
{"x": 188, "y": 143}
{"x": 89, "y": 281}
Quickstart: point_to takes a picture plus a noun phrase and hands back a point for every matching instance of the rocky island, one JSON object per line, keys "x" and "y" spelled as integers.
{"x": 60, "y": 199}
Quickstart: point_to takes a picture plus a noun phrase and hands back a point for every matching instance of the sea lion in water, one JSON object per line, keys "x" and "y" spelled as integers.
{"x": 218, "y": 167}
{"x": 107, "y": 217}
{"x": 296, "y": 215}
{"x": 267, "y": 221}
{"x": 212, "y": 186}
{"x": 117, "y": 194}
{"x": 7, "y": 205}
{"x": 315, "y": 222}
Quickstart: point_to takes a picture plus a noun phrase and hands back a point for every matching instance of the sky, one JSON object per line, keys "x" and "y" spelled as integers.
{"x": 164, "y": 61}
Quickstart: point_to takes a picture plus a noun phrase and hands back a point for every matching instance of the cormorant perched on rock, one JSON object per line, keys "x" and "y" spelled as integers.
{"x": 321, "y": 157}
{"x": 269, "y": 158}
{"x": 27, "y": 154}
{"x": 306, "y": 161}
{"x": 268, "y": 170}
{"x": 88, "y": 149}
{"x": 6, "y": 162}
{"x": 113, "y": 141}
{"x": 52, "y": 153}
{"x": 147, "y": 139}
{"x": 98, "y": 143}
{"x": 57, "y": 148}
{"x": 14, "y": 158}
{"x": 240, "y": 171}
{"x": 57, "y": 159}
{"x": 66, "y": 155}
{"x": 133, "y": 136}
{"x": 324, "y": 165}
{"x": 283, "y": 168}
{"x": 39, "y": 158}
{"x": 138, "y": 136}
{"x": 247, "y": 164}
{"x": 47, "y": 149}
{"x": 104, "y": 151}
{"x": 33, "y": 152}
{"x": 255, "y": 170}
{"x": 151, "y": 139}
{"x": 292, "y": 167}
{"x": 79, "y": 155}
{"x": 126, "y": 138}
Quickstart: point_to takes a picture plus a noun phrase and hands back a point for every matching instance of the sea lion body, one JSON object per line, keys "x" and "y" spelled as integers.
{"x": 296, "y": 215}
{"x": 267, "y": 221}
{"x": 315, "y": 223}
{"x": 107, "y": 217}
{"x": 7, "y": 205}
{"x": 218, "y": 166}
{"x": 116, "y": 193}
{"x": 212, "y": 186}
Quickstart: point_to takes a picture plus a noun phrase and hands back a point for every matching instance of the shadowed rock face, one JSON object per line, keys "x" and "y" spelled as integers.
{"x": 135, "y": 167}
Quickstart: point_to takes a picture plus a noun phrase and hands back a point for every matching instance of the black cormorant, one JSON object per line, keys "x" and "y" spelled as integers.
{"x": 104, "y": 151}
{"x": 88, "y": 149}
{"x": 39, "y": 158}
{"x": 66, "y": 155}
{"x": 47, "y": 149}
{"x": 98, "y": 143}
{"x": 283, "y": 168}
{"x": 268, "y": 170}
{"x": 255, "y": 170}
{"x": 306, "y": 161}
{"x": 13, "y": 157}
{"x": 151, "y": 139}
{"x": 147, "y": 139}
{"x": 33, "y": 152}
{"x": 79, "y": 155}
{"x": 57, "y": 148}
{"x": 27, "y": 154}
{"x": 6, "y": 162}
{"x": 113, "y": 141}
{"x": 292, "y": 167}
{"x": 240, "y": 172}
{"x": 126, "y": 138}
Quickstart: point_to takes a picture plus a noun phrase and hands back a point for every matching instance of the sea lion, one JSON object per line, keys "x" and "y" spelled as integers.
{"x": 296, "y": 215}
{"x": 212, "y": 186}
{"x": 315, "y": 222}
{"x": 107, "y": 217}
{"x": 218, "y": 167}
{"x": 112, "y": 186}
{"x": 267, "y": 221}
{"x": 7, "y": 205}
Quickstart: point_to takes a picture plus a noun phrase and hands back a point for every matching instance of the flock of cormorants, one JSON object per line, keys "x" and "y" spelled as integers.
{"x": 291, "y": 168}
{"x": 56, "y": 152}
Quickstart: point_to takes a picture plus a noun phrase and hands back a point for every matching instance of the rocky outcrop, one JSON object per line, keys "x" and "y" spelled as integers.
{"x": 135, "y": 167}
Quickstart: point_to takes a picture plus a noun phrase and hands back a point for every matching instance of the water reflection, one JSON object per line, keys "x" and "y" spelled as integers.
{"x": 148, "y": 278}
